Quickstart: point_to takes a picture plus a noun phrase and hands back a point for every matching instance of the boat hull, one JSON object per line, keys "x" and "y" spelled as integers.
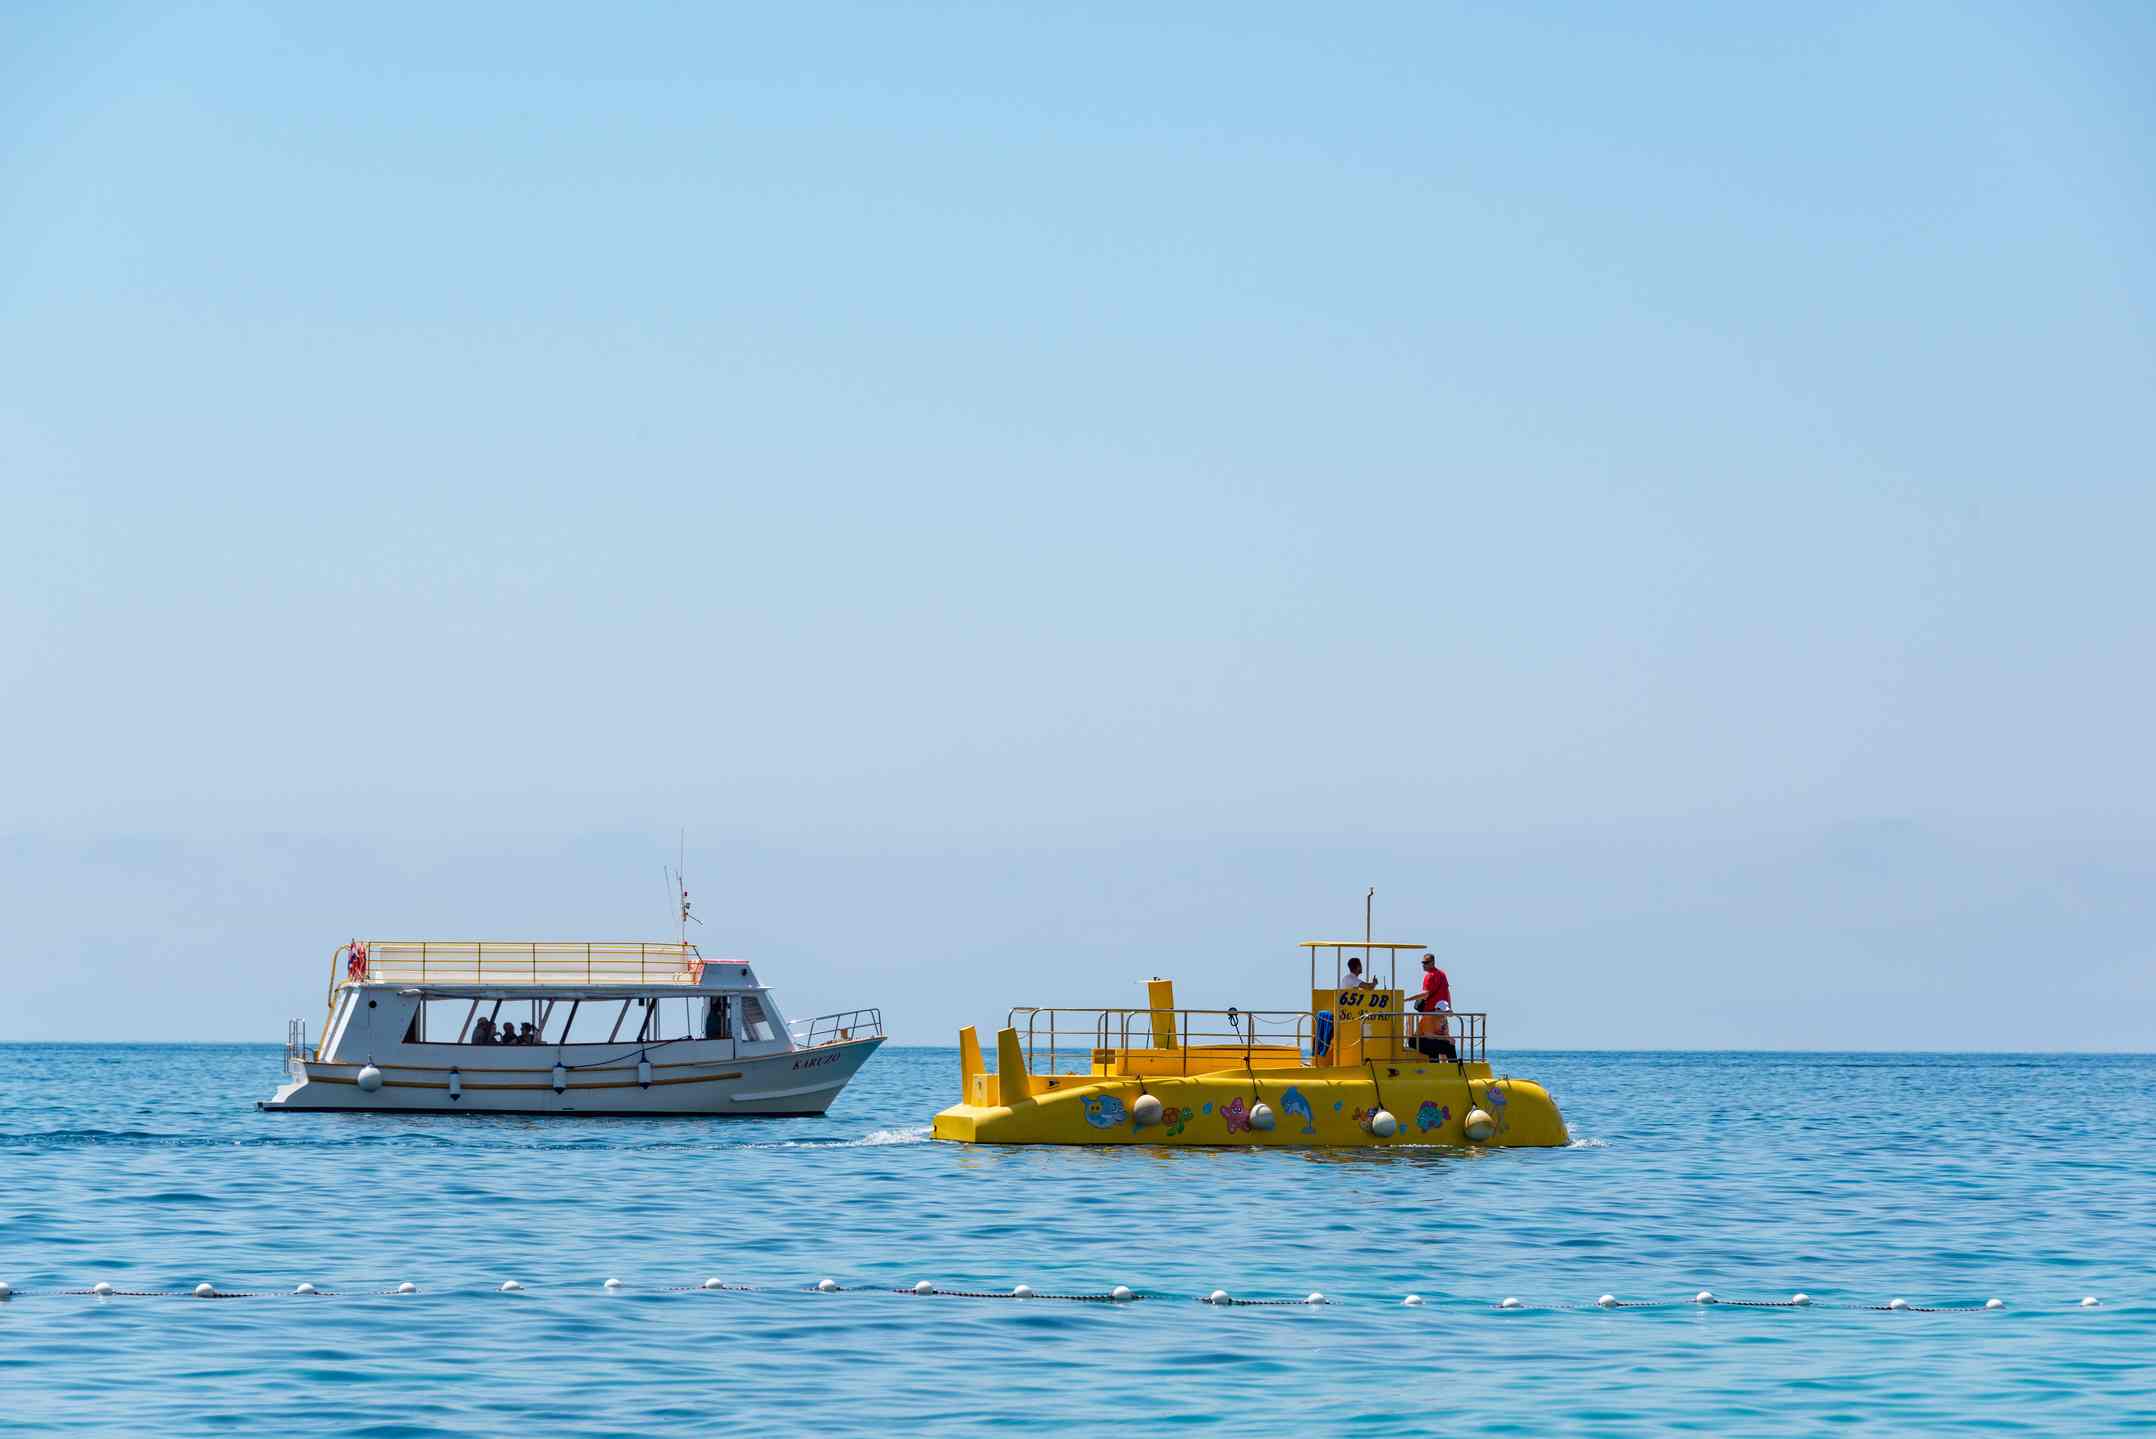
{"x": 1311, "y": 1108}
{"x": 680, "y": 1082}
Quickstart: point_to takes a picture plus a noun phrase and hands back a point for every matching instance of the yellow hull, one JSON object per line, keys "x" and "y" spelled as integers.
{"x": 1328, "y": 1108}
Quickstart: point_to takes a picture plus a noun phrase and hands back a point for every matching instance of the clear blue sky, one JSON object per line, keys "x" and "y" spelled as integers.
{"x": 1049, "y": 495}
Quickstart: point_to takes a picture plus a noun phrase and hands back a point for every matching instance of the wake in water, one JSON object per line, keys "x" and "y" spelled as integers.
{"x": 874, "y": 1140}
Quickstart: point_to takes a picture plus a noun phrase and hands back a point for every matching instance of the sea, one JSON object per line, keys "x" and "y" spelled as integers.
{"x": 1940, "y": 1180}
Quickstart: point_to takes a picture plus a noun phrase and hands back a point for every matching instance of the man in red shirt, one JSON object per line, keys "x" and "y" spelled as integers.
{"x": 1433, "y": 1036}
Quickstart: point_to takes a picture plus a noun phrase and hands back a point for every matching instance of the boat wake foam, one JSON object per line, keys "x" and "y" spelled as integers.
{"x": 874, "y": 1140}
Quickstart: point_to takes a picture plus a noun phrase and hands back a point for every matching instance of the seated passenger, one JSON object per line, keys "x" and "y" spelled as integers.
{"x": 1433, "y": 1036}
{"x": 483, "y": 1031}
{"x": 528, "y": 1035}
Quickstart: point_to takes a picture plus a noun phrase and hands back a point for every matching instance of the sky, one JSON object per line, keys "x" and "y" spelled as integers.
{"x": 1041, "y": 496}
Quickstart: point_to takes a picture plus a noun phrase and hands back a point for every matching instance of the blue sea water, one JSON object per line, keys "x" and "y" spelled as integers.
{"x": 1942, "y": 1179}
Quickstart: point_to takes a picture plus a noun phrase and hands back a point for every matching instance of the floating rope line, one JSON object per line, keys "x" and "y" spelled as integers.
{"x": 1801, "y": 1301}
{"x": 1126, "y": 1297}
{"x": 1120, "y": 1294}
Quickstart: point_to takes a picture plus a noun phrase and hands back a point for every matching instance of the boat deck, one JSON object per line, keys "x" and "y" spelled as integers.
{"x": 520, "y": 962}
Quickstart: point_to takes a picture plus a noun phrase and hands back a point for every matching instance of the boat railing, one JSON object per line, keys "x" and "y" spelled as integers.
{"x": 1055, "y": 1037}
{"x": 1416, "y": 1036}
{"x": 295, "y": 1039}
{"x": 837, "y": 1028}
{"x": 471, "y": 961}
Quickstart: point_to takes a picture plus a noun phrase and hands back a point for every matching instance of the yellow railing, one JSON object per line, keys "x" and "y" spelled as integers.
{"x": 498, "y": 961}
{"x": 1453, "y": 1034}
{"x": 1054, "y": 1037}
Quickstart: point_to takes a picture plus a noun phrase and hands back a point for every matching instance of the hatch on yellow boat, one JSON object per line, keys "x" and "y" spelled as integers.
{"x": 1358, "y": 1067}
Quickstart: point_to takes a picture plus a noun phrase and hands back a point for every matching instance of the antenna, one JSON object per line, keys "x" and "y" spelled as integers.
{"x": 1367, "y": 901}
{"x": 677, "y": 886}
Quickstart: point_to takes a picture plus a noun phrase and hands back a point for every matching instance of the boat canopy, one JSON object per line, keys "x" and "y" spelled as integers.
{"x": 1391, "y": 948}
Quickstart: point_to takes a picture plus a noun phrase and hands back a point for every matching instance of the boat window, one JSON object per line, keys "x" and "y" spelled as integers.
{"x": 583, "y": 1021}
{"x": 753, "y": 1023}
{"x": 557, "y": 1015}
{"x": 440, "y": 1021}
{"x": 718, "y": 1023}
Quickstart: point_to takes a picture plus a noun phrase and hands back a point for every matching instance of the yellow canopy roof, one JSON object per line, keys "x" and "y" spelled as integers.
{"x": 1358, "y": 944}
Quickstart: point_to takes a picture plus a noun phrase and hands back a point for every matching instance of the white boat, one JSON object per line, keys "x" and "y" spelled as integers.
{"x": 615, "y": 1028}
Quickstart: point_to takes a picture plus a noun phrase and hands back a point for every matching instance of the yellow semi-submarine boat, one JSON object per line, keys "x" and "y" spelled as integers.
{"x": 1357, "y": 1068}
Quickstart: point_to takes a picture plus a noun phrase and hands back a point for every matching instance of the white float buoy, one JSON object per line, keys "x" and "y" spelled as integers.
{"x": 1383, "y": 1125}
{"x": 7, "y": 1290}
{"x": 714, "y": 1282}
{"x": 1145, "y": 1110}
{"x": 1995, "y": 1304}
{"x": 1478, "y": 1125}
{"x": 611, "y": 1284}
{"x": 561, "y": 1076}
{"x": 369, "y": 1078}
{"x": 2090, "y": 1301}
{"x": 407, "y": 1287}
{"x": 1121, "y": 1293}
{"x": 510, "y": 1286}
{"x": 1705, "y": 1296}
{"x": 1262, "y": 1117}
{"x": 1413, "y": 1301}
{"x": 1021, "y": 1291}
{"x": 205, "y": 1291}
{"x": 827, "y": 1286}
{"x": 1315, "y": 1298}
{"x": 456, "y": 1085}
{"x": 1508, "y": 1302}
{"x": 1218, "y": 1296}
{"x": 1607, "y": 1301}
{"x": 1800, "y": 1299}
{"x": 303, "y": 1288}
{"x": 924, "y": 1287}
{"x": 1897, "y": 1304}
{"x": 101, "y": 1289}
{"x": 643, "y": 1073}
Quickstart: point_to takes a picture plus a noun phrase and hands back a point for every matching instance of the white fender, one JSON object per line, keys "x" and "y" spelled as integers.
{"x": 1478, "y": 1125}
{"x": 369, "y": 1078}
{"x": 456, "y": 1085}
{"x": 1145, "y": 1110}
{"x": 561, "y": 1076}
{"x": 1262, "y": 1117}
{"x": 1383, "y": 1125}
{"x": 643, "y": 1072}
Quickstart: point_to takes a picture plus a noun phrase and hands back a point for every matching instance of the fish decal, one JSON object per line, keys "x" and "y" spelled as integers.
{"x": 1430, "y": 1116}
{"x": 1237, "y": 1114}
{"x": 1294, "y": 1103}
{"x": 1494, "y": 1099}
{"x": 1103, "y": 1111}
